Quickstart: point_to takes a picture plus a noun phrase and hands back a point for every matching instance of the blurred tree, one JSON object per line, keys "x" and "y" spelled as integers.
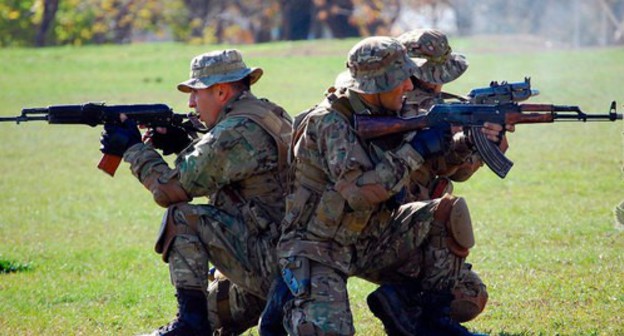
{"x": 375, "y": 17}
{"x": 17, "y": 22}
{"x": 335, "y": 15}
{"x": 296, "y": 19}
{"x": 47, "y": 20}
{"x": 464, "y": 12}
{"x": 53, "y": 22}
{"x": 106, "y": 21}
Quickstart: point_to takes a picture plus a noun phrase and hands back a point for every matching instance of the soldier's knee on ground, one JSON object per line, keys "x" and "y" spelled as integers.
{"x": 470, "y": 297}
{"x": 231, "y": 309}
{"x": 453, "y": 212}
{"x": 326, "y": 310}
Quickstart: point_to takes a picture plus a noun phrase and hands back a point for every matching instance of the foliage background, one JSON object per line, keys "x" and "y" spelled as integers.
{"x": 78, "y": 22}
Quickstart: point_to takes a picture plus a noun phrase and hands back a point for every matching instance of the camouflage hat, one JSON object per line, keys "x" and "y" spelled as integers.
{"x": 343, "y": 80}
{"x": 377, "y": 64}
{"x": 430, "y": 50}
{"x": 222, "y": 66}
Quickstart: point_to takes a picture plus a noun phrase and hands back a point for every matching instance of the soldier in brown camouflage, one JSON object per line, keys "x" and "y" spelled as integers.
{"x": 436, "y": 66}
{"x": 347, "y": 214}
{"x": 239, "y": 165}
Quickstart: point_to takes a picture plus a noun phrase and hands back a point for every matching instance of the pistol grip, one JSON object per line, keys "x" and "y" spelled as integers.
{"x": 490, "y": 153}
{"x": 109, "y": 164}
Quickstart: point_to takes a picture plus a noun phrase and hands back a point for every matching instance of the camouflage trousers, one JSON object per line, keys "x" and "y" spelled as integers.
{"x": 403, "y": 245}
{"x": 246, "y": 257}
{"x": 231, "y": 308}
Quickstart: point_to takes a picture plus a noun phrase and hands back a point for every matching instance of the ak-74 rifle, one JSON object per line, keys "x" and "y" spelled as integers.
{"x": 472, "y": 115}
{"x": 94, "y": 114}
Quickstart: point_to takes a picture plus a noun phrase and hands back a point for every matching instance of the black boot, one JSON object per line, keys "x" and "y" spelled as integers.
{"x": 437, "y": 315}
{"x": 406, "y": 311}
{"x": 192, "y": 318}
{"x": 395, "y": 306}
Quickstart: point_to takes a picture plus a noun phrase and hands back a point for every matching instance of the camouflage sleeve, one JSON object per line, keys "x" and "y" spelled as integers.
{"x": 362, "y": 182}
{"x": 144, "y": 160}
{"x": 233, "y": 150}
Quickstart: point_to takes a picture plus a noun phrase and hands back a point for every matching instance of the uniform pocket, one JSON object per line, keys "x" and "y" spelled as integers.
{"x": 328, "y": 214}
{"x": 353, "y": 223}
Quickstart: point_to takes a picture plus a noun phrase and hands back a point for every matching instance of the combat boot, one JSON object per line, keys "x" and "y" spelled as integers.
{"x": 437, "y": 315}
{"x": 398, "y": 309}
{"x": 406, "y": 311}
{"x": 192, "y": 317}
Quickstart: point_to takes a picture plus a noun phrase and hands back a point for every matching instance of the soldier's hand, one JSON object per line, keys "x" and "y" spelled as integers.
{"x": 494, "y": 132}
{"x": 116, "y": 139}
{"x": 432, "y": 141}
{"x": 170, "y": 139}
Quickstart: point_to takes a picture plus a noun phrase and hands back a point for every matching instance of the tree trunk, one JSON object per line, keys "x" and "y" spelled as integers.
{"x": 297, "y": 18}
{"x": 198, "y": 15}
{"x": 463, "y": 16}
{"x": 49, "y": 13}
{"x": 338, "y": 19}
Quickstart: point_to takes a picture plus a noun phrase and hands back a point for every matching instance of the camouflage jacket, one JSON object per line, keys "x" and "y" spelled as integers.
{"x": 236, "y": 164}
{"x": 340, "y": 181}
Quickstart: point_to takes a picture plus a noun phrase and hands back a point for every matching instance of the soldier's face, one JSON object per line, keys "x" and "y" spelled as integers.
{"x": 393, "y": 100}
{"x": 204, "y": 101}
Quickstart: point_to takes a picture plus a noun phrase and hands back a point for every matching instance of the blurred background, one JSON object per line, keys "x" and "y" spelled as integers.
{"x": 550, "y": 23}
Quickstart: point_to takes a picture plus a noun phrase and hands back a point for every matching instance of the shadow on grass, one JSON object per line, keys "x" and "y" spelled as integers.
{"x": 8, "y": 266}
{"x": 502, "y": 333}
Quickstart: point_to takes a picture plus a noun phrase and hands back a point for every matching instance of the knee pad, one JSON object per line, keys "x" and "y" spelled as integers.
{"x": 470, "y": 297}
{"x": 178, "y": 219}
{"x": 453, "y": 212}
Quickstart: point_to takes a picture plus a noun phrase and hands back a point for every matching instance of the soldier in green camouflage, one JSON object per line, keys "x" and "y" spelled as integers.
{"x": 346, "y": 214}
{"x": 239, "y": 165}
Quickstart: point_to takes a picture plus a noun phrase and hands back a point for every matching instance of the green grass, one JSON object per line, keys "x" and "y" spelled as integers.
{"x": 547, "y": 246}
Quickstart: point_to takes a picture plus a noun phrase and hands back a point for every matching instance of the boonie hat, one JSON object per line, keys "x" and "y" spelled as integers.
{"x": 430, "y": 50}
{"x": 222, "y": 66}
{"x": 376, "y": 64}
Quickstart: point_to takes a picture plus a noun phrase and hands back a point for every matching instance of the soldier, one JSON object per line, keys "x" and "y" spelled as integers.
{"x": 436, "y": 66}
{"x": 239, "y": 164}
{"x": 346, "y": 215}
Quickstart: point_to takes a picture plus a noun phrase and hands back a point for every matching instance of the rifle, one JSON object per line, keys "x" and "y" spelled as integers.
{"x": 472, "y": 117}
{"x": 93, "y": 114}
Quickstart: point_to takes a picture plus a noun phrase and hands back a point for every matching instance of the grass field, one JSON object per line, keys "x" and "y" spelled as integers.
{"x": 547, "y": 246}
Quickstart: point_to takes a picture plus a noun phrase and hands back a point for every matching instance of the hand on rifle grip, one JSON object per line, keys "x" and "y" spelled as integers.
{"x": 115, "y": 140}
{"x": 432, "y": 141}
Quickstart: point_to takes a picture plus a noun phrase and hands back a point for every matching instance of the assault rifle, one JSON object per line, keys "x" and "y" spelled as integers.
{"x": 472, "y": 117}
{"x": 93, "y": 114}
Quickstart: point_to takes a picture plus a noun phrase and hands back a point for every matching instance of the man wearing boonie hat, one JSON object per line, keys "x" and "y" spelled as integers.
{"x": 239, "y": 165}
{"x": 345, "y": 216}
{"x": 437, "y": 65}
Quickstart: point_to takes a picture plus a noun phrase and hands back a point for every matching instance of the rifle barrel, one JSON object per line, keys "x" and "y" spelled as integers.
{"x": 23, "y": 117}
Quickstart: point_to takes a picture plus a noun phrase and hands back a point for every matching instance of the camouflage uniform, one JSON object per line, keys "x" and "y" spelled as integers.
{"x": 345, "y": 216}
{"x": 437, "y": 64}
{"x": 239, "y": 165}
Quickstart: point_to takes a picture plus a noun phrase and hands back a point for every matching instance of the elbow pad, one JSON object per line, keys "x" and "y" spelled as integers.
{"x": 167, "y": 193}
{"x": 362, "y": 197}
